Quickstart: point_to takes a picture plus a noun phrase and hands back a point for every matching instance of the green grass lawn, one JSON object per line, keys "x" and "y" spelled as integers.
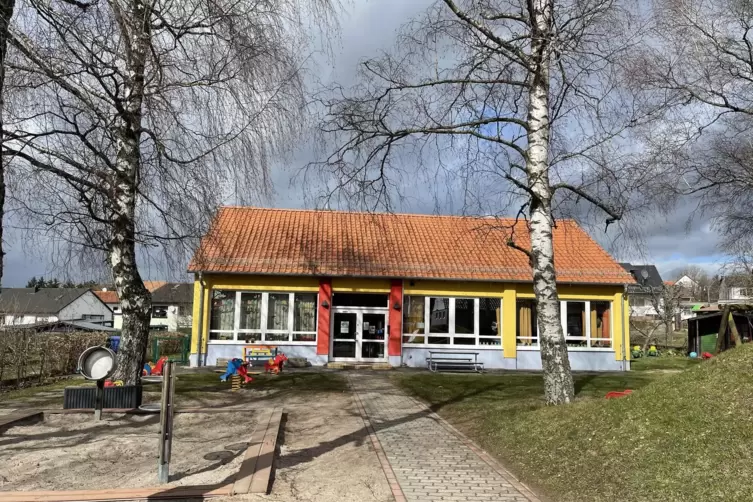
{"x": 682, "y": 436}
{"x": 663, "y": 363}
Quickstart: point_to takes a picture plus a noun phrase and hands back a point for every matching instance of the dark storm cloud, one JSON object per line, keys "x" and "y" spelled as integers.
{"x": 367, "y": 28}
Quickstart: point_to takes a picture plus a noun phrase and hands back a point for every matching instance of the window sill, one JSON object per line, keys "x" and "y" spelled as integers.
{"x": 569, "y": 349}
{"x": 455, "y": 347}
{"x": 258, "y": 342}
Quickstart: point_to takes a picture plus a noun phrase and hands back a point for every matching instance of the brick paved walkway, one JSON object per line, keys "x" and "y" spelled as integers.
{"x": 425, "y": 459}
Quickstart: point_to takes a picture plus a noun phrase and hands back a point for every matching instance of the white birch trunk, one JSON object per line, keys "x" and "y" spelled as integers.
{"x": 558, "y": 380}
{"x": 135, "y": 299}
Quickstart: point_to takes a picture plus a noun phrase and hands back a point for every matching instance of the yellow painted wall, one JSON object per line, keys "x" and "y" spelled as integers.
{"x": 509, "y": 292}
{"x": 351, "y": 285}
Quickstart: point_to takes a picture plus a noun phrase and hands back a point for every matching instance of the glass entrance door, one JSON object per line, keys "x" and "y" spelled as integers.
{"x": 358, "y": 335}
{"x": 344, "y": 335}
{"x": 373, "y": 331}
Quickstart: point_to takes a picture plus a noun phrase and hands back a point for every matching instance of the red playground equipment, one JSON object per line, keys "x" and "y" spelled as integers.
{"x": 615, "y": 394}
{"x": 275, "y": 365}
{"x": 156, "y": 369}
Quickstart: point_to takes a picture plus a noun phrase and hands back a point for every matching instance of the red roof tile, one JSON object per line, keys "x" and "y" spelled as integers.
{"x": 107, "y": 296}
{"x": 334, "y": 243}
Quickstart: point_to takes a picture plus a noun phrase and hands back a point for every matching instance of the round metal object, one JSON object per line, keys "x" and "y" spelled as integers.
{"x": 151, "y": 379}
{"x": 97, "y": 363}
{"x": 151, "y": 408}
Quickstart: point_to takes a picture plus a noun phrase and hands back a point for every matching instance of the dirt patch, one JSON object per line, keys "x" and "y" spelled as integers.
{"x": 68, "y": 452}
{"x": 325, "y": 454}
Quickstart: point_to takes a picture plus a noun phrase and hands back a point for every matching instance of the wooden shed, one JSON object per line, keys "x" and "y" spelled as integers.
{"x": 703, "y": 330}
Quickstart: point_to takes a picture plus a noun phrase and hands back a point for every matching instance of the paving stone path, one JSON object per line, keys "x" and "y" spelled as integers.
{"x": 424, "y": 458}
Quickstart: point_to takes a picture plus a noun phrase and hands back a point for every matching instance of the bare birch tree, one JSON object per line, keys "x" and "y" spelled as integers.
{"x": 134, "y": 119}
{"x": 699, "y": 70}
{"x": 520, "y": 100}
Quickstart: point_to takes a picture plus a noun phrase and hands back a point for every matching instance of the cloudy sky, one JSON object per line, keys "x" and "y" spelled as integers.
{"x": 367, "y": 27}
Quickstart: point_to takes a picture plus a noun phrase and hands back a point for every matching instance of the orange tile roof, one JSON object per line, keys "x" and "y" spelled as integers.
{"x": 335, "y": 243}
{"x": 107, "y": 296}
{"x": 154, "y": 285}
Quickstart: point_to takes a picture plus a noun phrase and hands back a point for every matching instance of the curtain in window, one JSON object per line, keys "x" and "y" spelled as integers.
{"x": 524, "y": 322}
{"x": 250, "y": 311}
{"x": 304, "y": 312}
{"x": 223, "y": 310}
{"x": 600, "y": 322}
{"x": 277, "y": 315}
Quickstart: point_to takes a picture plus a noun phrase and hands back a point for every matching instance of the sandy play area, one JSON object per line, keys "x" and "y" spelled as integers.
{"x": 74, "y": 452}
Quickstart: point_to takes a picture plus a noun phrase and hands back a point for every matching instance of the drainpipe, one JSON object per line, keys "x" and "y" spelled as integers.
{"x": 622, "y": 306}
{"x": 201, "y": 319}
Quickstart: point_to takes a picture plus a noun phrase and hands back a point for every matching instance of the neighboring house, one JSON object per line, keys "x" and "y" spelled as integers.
{"x": 171, "y": 305}
{"x": 20, "y": 306}
{"x": 334, "y": 286}
{"x": 736, "y": 289}
{"x": 646, "y": 294}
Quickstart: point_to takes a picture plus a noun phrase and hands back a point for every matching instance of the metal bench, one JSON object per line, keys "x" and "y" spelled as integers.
{"x": 454, "y": 361}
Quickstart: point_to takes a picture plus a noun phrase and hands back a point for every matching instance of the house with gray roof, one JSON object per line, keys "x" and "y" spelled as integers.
{"x": 645, "y": 295}
{"x": 19, "y": 306}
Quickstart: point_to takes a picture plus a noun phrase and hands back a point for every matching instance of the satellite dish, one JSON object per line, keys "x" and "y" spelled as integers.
{"x": 97, "y": 363}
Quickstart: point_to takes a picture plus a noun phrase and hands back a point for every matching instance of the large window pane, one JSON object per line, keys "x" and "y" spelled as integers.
{"x": 575, "y": 325}
{"x": 304, "y": 312}
{"x": 413, "y": 315}
{"x": 600, "y": 324}
{"x": 525, "y": 329}
{"x": 464, "y": 316}
{"x": 250, "y": 311}
{"x": 439, "y": 315}
{"x": 277, "y": 313}
{"x": 222, "y": 315}
{"x": 489, "y": 311}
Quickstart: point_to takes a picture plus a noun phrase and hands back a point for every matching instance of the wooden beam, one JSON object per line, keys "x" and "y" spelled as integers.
{"x": 20, "y": 418}
{"x": 733, "y": 329}
{"x": 721, "y": 339}
{"x": 161, "y": 493}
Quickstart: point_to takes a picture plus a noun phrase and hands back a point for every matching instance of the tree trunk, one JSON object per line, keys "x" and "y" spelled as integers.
{"x": 135, "y": 299}
{"x": 6, "y": 13}
{"x": 135, "y": 303}
{"x": 558, "y": 380}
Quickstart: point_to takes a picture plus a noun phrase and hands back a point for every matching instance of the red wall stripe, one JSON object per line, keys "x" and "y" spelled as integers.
{"x": 395, "y": 343}
{"x": 322, "y": 339}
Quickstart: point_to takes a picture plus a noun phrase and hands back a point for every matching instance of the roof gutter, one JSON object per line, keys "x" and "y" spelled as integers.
{"x": 407, "y": 278}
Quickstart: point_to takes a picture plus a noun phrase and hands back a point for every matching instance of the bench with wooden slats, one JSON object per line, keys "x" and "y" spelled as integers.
{"x": 454, "y": 361}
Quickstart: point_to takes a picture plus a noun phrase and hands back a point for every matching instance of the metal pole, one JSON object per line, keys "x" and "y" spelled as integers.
{"x": 166, "y": 422}
{"x": 622, "y": 306}
{"x": 98, "y": 403}
{"x": 201, "y": 319}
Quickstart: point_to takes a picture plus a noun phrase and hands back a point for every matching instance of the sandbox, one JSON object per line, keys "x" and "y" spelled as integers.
{"x": 74, "y": 452}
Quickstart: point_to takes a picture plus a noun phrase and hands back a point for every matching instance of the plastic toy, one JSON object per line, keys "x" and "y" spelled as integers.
{"x": 707, "y": 355}
{"x": 154, "y": 369}
{"x": 693, "y": 355}
{"x": 236, "y": 367}
{"x": 615, "y": 394}
{"x": 275, "y": 365}
{"x": 113, "y": 383}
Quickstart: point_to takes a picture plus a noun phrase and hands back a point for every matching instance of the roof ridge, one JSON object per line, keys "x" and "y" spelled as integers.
{"x": 380, "y": 213}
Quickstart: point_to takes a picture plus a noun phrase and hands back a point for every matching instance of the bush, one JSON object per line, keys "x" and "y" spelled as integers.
{"x": 28, "y": 357}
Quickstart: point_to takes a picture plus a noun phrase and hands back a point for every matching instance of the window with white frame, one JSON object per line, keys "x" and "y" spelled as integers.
{"x": 526, "y": 327}
{"x": 586, "y": 324}
{"x": 439, "y": 320}
{"x": 263, "y": 317}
